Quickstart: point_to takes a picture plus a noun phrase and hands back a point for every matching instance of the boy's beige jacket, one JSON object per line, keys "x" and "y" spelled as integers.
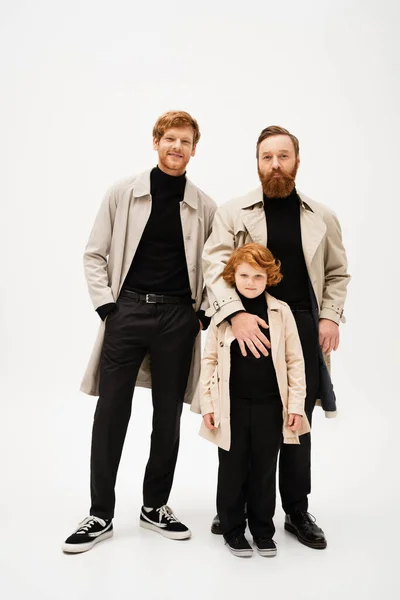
{"x": 112, "y": 244}
{"x": 287, "y": 356}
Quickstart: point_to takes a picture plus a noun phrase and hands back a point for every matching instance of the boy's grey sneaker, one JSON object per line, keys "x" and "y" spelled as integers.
{"x": 164, "y": 522}
{"x": 265, "y": 546}
{"x": 90, "y": 531}
{"x": 238, "y": 545}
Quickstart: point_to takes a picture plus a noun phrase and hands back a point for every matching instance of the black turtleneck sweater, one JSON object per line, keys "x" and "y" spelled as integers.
{"x": 253, "y": 377}
{"x": 284, "y": 241}
{"x": 159, "y": 265}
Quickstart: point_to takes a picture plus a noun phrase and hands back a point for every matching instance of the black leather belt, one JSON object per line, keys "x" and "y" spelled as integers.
{"x": 156, "y": 298}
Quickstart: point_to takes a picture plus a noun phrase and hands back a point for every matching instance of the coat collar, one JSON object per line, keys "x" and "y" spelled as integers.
{"x": 141, "y": 187}
{"x": 272, "y": 302}
{"x": 256, "y": 197}
{"x": 313, "y": 227}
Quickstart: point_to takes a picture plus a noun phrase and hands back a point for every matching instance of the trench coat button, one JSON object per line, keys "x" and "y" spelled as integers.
{"x": 188, "y": 237}
{"x": 221, "y": 344}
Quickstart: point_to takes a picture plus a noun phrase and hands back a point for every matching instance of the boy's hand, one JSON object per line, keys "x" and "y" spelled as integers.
{"x": 294, "y": 422}
{"x": 209, "y": 421}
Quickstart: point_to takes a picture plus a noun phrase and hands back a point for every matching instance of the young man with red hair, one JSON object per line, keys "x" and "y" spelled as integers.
{"x": 143, "y": 270}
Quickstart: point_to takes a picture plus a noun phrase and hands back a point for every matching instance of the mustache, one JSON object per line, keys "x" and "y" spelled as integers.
{"x": 283, "y": 174}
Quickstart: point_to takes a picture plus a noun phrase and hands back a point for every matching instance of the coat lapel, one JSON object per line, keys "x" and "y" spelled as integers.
{"x": 254, "y": 217}
{"x": 313, "y": 230}
{"x": 190, "y": 226}
{"x": 138, "y": 206}
{"x": 275, "y": 326}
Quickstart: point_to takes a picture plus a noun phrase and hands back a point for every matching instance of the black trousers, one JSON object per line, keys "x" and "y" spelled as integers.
{"x": 256, "y": 432}
{"x": 294, "y": 460}
{"x": 167, "y": 332}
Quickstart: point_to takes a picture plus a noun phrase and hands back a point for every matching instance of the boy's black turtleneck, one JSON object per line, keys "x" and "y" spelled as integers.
{"x": 253, "y": 377}
{"x": 284, "y": 241}
{"x": 159, "y": 265}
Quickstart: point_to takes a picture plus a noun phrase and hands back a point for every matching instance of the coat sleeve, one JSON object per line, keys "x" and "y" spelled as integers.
{"x": 97, "y": 250}
{"x": 223, "y": 298}
{"x": 336, "y": 276}
{"x": 209, "y": 364}
{"x": 295, "y": 365}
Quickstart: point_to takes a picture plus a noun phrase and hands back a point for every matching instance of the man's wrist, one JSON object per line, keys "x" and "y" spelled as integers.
{"x": 230, "y": 317}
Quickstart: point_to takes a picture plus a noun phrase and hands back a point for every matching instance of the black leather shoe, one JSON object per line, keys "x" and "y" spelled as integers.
{"x": 304, "y": 527}
{"x": 216, "y": 526}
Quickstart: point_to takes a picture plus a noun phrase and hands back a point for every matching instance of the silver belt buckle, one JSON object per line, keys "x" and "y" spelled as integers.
{"x": 150, "y": 301}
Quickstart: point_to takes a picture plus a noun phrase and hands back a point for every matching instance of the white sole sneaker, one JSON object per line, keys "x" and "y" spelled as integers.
{"x": 172, "y": 535}
{"x": 267, "y": 553}
{"x": 77, "y": 548}
{"x": 245, "y": 553}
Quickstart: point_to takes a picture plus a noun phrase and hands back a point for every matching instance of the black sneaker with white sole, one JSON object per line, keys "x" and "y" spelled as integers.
{"x": 265, "y": 546}
{"x": 91, "y": 531}
{"x": 165, "y": 522}
{"x": 238, "y": 545}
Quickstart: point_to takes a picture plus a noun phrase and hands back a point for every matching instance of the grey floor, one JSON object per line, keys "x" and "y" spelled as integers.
{"x": 45, "y": 495}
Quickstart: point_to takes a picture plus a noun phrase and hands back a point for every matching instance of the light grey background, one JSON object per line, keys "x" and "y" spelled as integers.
{"x": 82, "y": 84}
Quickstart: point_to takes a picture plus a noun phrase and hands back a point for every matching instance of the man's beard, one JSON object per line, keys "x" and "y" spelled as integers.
{"x": 278, "y": 187}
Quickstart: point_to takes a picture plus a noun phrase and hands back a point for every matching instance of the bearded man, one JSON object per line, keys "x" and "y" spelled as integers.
{"x": 305, "y": 237}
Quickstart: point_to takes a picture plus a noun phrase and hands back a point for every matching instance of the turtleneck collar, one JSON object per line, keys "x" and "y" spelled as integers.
{"x": 251, "y": 304}
{"x": 167, "y": 183}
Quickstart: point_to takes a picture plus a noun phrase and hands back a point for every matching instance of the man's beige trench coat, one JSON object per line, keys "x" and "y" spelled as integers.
{"x": 287, "y": 357}
{"x": 242, "y": 220}
{"x": 116, "y": 234}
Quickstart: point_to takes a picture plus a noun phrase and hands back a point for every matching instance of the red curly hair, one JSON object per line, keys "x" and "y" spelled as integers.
{"x": 258, "y": 257}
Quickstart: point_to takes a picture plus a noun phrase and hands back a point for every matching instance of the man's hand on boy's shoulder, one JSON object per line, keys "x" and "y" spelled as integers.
{"x": 246, "y": 329}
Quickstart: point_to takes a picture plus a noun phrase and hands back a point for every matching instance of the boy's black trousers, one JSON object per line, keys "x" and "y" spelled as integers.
{"x": 256, "y": 432}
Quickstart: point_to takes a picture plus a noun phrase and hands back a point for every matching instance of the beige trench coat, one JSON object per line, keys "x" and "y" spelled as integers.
{"x": 116, "y": 234}
{"x": 287, "y": 357}
{"x": 242, "y": 220}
